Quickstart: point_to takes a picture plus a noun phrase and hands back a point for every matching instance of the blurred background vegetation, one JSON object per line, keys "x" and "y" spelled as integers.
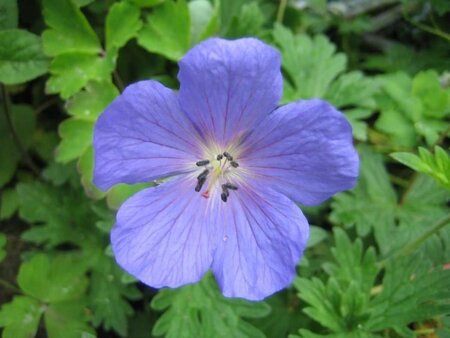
{"x": 378, "y": 261}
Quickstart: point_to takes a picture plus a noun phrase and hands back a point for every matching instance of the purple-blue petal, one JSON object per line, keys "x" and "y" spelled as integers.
{"x": 226, "y": 87}
{"x": 166, "y": 236}
{"x": 143, "y": 135}
{"x": 263, "y": 235}
{"x": 303, "y": 150}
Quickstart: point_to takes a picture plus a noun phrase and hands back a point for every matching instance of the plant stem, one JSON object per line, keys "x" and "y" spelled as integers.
{"x": 433, "y": 229}
{"x": 15, "y": 136}
{"x": 281, "y": 10}
{"x": 10, "y": 286}
{"x": 119, "y": 81}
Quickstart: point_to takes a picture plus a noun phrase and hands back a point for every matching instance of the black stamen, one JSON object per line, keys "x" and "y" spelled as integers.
{"x": 200, "y": 183}
{"x": 203, "y": 174}
{"x": 219, "y": 157}
{"x": 234, "y": 164}
{"x": 229, "y": 186}
{"x": 223, "y": 196}
{"x": 228, "y": 156}
{"x": 202, "y": 163}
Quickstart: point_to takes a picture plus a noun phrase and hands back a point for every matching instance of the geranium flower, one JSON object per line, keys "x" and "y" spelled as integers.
{"x": 238, "y": 163}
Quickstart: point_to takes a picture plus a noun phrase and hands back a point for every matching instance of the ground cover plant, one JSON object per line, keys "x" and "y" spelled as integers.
{"x": 377, "y": 260}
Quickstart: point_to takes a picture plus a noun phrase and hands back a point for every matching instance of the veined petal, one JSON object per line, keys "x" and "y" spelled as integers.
{"x": 143, "y": 135}
{"x": 226, "y": 87}
{"x": 263, "y": 237}
{"x": 303, "y": 150}
{"x": 165, "y": 236}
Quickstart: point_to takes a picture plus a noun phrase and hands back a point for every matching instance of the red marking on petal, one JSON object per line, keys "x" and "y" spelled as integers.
{"x": 205, "y": 194}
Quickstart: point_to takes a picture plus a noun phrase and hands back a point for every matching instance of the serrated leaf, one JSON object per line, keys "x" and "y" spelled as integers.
{"x": 9, "y": 14}
{"x": 69, "y": 30}
{"x": 49, "y": 279}
{"x": 199, "y": 310}
{"x": 68, "y": 320}
{"x": 108, "y": 297}
{"x": 76, "y": 137}
{"x": 20, "y": 318}
{"x": 122, "y": 24}
{"x": 89, "y": 103}
{"x": 352, "y": 90}
{"x": 406, "y": 110}
{"x": 435, "y": 99}
{"x": 8, "y": 203}
{"x": 24, "y": 122}
{"x": 21, "y": 57}
{"x": 249, "y": 22}
{"x": 413, "y": 290}
{"x": 437, "y": 165}
{"x": 58, "y": 216}
{"x": 167, "y": 30}
{"x": 310, "y": 63}
{"x": 72, "y": 71}
{"x": 372, "y": 203}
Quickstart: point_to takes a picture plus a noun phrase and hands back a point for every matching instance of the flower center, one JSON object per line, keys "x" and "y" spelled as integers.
{"x": 218, "y": 170}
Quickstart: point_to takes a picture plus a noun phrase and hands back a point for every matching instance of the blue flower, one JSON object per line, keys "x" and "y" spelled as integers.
{"x": 238, "y": 163}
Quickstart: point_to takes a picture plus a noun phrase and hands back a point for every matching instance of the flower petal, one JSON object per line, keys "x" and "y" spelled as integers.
{"x": 228, "y": 86}
{"x": 303, "y": 150}
{"x": 263, "y": 237}
{"x": 165, "y": 236}
{"x": 143, "y": 135}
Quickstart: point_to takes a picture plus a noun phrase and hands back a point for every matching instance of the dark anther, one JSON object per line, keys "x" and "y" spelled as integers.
{"x": 202, "y": 163}
{"x": 224, "y": 196}
{"x": 219, "y": 157}
{"x": 228, "y": 156}
{"x": 229, "y": 186}
{"x": 234, "y": 164}
{"x": 203, "y": 174}
{"x": 200, "y": 183}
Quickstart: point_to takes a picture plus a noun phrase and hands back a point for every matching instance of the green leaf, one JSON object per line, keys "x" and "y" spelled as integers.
{"x": 120, "y": 192}
{"x": 412, "y": 107}
{"x": 21, "y": 57}
{"x": 69, "y": 30}
{"x": 435, "y": 99}
{"x": 89, "y": 103}
{"x": 85, "y": 167}
{"x": 76, "y": 137}
{"x": 122, "y": 24}
{"x": 20, "y": 318}
{"x": 72, "y": 71}
{"x": 49, "y": 279}
{"x": 2, "y": 245}
{"x": 8, "y": 203}
{"x": 372, "y": 203}
{"x": 24, "y": 122}
{"x": 9, "y": 14}
{"x": 108, "y": 297}
{"x": 413, "y": 290}
{"x": 167, "y": 30}
{"x": 341, "y": 304}
{"x": 229, "y": 10}
{"x": 199, "y": 310}
{"x": 352, "y": 89}
{"x": 68, "y": 320}
{"x": 203, "y": 20}
{"x": 310, "y": 63}
{"x": 62, "y": 215}
{"x": 437, "y": 165}
{"x": 249, "y": 22}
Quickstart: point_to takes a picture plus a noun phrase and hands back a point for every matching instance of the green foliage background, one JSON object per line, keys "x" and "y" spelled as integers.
{"x": 378, "y": 261}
